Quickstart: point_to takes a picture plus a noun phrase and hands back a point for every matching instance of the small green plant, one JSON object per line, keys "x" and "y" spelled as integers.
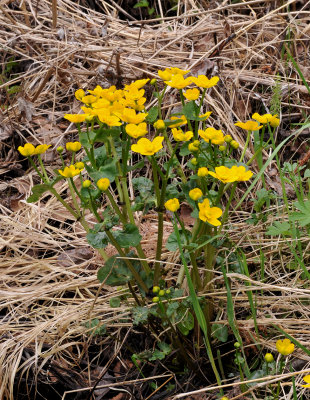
{"x": 112, "y": 130}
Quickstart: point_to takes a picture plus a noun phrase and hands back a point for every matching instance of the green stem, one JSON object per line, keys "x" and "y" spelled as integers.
{"x": 74, "y": 199}
{"x": 127, "y": 262}
{"x": 225, "y": 214}
{"x": 37, "y": 170}
{"x": 43, "y": 168}
{"x": 245, "y": 146}
{"x": 198, "y": 311}
{"x": 59, "y": 198}
{"x": 183, "y": 104}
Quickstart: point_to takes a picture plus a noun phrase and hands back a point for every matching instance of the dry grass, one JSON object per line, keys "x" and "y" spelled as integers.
{"x": 49, "y": 289}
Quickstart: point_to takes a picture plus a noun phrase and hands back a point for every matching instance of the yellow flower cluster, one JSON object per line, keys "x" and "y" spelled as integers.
{"x": 248, "y": 125}
{"x": 172, "y": 205}
{"x": 174, "y": 77}
{"x": 267, "y": 119}
{"x": 112, "y": 106}
{"x": 29, "y": 150}
{"x": 233, "y": 174}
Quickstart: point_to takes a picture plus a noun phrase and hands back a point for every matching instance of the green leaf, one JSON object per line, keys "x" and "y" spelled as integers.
{"x": 186, "y": 323}
{"x": 98, "y": 240}
{"x": 303, "y": 217}
{"x": 279, "y": 228}
{"x": 84, "y": 139}
{"x": 220, "y": 332}
{"x": 97, "y": 328}
{"x": 140, "y": 315}
{"x": 108, "y": 170}
{"x": 102, "y": 135}
{"x": 129, "y": 237}
{"x": 144, "y": 185}
{"x": 172, "y": 308}
{"x": 37, "y": 191}
{"x": 114, "y": 272}
{"x": 115, "y": 302}
{"x": 184, "y": 150}
{"x": 189, "y": 111}
{"x": 152, "y": 115}
{"x": 172, "y": 242}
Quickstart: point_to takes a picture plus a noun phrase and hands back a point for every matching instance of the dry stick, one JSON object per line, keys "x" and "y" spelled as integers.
{"x": 54, "y": 11}
{"x": 243, "y": 30}
{"x": 197, "y": 14}
{"x": 42, "y": 86}
{"x": 269, "y": 379}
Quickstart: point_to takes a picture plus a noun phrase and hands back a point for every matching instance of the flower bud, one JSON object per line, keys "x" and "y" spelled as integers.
{"x": 192, "y": 148}
{"x": 60, "y": 149}
{"x": 269, "y": 358}
{"x": 103, "y": 184}
{"x": 228, "y": 138}
{"x": 155, "y": 299}
{"x": 86, "y": 183}
{"x": 161, "y": 293}
{"x": 222, "y": 148}
{"x": 237, "y": 345}
{"x": 156, "y": 289}
{"x": 195, "y": 194}
{"x": 203, "y": 171}
{"x": 153, "y": 81}
{"x": 194, "y": 161}
{"x": 159, "y": 125}
{"x": 234, "y": 144}
{"x": 168, "y": 291}
{"x": 79, "y": 165}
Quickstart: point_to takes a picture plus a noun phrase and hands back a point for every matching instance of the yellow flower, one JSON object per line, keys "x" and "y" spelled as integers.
{"x": 138, "y": 84}
{"x": 213, "y": 135}
{"x": 41, "y": 148}
{"x": 205, "y": 83}
{"x": 267, "y": 118}
{"x": 79, "y": 94}
{"x": 192, "y": 94}
{"x": 180, "y": 136}
{"x": 167, "y": 74}
{"x": 194, "y": 161}
{"x": 205, "y": 116}
{"x": 75, "y": 118}
{"x": 172, "y": 205}
{"x": 181, "y": 121}
{"x": 203, "y": 171}
{"x": 223, "y": 174}
{"x": 178, "y": 81}
{"x": 209, "y": 214}
{"x": 195, "y": 194}
{"x": 27, "y": 150}
{"x": 89, "y": 99}
{"x": 103, "y": 184}
{"x": 73, "y": 146}
{"x": 105, "y": 117}
{"x": 241, "y": 174}
{"x": 129, "y": 115}
{"x": 285, "y": 347}
{"x": 79, "y": 165}
{"x": 248, "y": 125}
{"x": 159, "y": 125}
{"x": 147, "y": 148}
{"x": 69, "y": 172}
{"x": 307, "y": 380}
{"x": 136, "y": 131}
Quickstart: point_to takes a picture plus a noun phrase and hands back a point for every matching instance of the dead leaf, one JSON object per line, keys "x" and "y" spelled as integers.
{"x": 26, "y": 108}
{"x": 75, "y": 256}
